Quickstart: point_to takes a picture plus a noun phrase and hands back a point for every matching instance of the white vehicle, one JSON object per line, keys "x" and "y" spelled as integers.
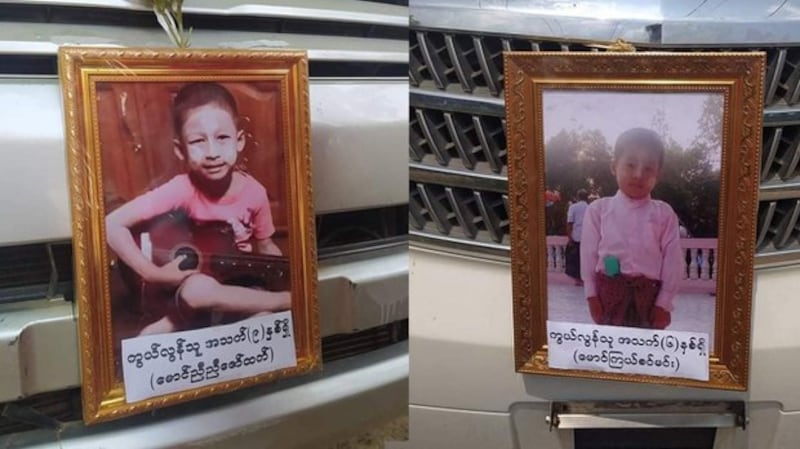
{"x": 464, "y": 391}
{"x": 358, "y": 54}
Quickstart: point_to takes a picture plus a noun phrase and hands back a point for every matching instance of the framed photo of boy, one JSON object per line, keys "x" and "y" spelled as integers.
{"x": 633, "y": 191}
{"x": 193, "y": 223}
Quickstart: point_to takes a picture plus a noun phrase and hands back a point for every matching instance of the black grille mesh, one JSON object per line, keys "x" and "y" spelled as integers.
{"x": 474, "y": 63}
{"x": 458, "y": 140}
{"x": 780, "y": 155}
{"x": 469, "y": 67}
{"x": 459, "y": 212}
{"x": 471, "y": 63}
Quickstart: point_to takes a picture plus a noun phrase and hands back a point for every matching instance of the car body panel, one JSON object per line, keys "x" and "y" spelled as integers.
{"x": 524, "y": 427}
{"x": 358, "y": 112}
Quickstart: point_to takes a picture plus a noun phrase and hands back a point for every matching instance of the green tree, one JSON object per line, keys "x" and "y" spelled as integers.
{"x": 576, "y": 159}
{"x": 689, "y": 181}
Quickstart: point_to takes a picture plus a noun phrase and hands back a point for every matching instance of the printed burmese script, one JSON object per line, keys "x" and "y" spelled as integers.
{"x": 154, "y": 365}
{"x": 617, "y": 349}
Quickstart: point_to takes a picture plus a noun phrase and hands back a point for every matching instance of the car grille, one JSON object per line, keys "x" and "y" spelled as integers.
{"x": 458, "y": 152}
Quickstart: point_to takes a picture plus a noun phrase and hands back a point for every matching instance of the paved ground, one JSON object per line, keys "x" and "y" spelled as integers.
{"x": 374, "y": 439}
{"x": 693, "y": 311}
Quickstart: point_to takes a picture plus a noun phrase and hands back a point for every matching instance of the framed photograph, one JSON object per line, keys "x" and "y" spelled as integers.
{"x": 193, "y": 223}
{"x": 633, "y": 187}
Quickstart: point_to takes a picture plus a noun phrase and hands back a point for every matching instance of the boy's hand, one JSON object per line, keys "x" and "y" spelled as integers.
{"x": 596, "y": 309}
{"x": 660, "y": 318}
{"x": 170, "y": 274}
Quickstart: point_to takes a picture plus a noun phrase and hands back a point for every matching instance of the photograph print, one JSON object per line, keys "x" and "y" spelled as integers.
{"x": 195, "y": 203}
{"x": 631, "y": 207}
{"x": 633, "y": 190}
{"x": 193, "y": 222}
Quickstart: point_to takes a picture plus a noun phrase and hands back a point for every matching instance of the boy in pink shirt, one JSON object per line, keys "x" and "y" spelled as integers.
{"x": 631, "y": 260}
{"x": 208, "y": 141}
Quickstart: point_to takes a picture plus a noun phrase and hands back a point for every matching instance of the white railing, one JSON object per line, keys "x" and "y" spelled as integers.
{"x": 700, "y": 261}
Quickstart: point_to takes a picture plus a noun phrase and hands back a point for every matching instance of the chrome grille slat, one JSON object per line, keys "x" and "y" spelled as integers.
{"x": 415, "y": 67}
{"x": 460, "y": 64}
{"x": 431, "y": 174}
{"x": 779, "y": 191}
{"x": 490, "y": 219}
{"x": 786, "y": 224}
{"x": 463, "y": 147}
{"x": 764, "y": 219}
{"x": 434, "y": 64}
{"x": 416, "y": 211}
{"x": 772, "y": 141}
{"x": 794, "y": 92}
{"x": 492, "y": 76}
{"x": 787, "y": 153}
{"x": 773, "y": 75}
{"x": 789, "y": 75}
{"x": 790, "y": 168}
{"x": 491, "y": 150}
{"x": 435, "y": 209}
{"x": 436, "y": 142}
{"x": 465, "y": 218}
{"x": 415, "y": 140}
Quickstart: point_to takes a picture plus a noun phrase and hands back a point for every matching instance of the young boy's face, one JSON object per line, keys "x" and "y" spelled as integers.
{"x": 637, "y": 171}
{"x": 210, "y": 141}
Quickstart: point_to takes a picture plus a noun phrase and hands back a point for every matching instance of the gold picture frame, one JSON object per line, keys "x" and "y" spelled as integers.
{"x": 126, "y": 137}
{"x": 577, "y": 94}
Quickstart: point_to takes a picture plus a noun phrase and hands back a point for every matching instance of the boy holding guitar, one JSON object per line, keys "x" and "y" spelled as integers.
{"x": 208, "y": 141}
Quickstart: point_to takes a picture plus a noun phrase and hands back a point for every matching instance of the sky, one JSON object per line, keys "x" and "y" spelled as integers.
{"x": 614, "y": 112}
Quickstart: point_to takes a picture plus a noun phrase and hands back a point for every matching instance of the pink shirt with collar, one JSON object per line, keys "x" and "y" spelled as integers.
{"x": 642, "y": 234}
{"x": 248, "y": 211}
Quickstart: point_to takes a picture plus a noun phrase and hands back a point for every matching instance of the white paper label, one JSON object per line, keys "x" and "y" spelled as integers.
{"x": 154, "y": 365}
{"x": 629, "y": 350}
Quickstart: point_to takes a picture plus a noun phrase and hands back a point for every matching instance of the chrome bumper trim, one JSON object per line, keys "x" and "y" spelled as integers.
{"x": 373, "y": 387}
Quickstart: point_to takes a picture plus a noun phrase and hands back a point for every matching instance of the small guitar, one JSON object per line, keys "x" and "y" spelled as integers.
{"x": 209, "y": 247}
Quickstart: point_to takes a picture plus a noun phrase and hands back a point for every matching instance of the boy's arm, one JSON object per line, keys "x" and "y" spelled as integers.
{"x": 590, "y": 240}
{"x": 673, "y": 264}
{"x": 144, "y": 207}
{"x": 120, "y": 240}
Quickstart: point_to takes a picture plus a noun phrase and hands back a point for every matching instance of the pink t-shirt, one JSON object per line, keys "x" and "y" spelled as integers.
{"x": 642, "y": 234}
{"x": 248, "y": 212}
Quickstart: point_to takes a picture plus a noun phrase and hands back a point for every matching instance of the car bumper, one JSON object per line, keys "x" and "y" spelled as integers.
{"x": 348, "y": 395}
{"x": 463, "y": 375}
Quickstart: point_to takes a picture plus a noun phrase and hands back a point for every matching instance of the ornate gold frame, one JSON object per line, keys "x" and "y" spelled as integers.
{"x": 80, "y": 69}
{"x": 740, "y": 77}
